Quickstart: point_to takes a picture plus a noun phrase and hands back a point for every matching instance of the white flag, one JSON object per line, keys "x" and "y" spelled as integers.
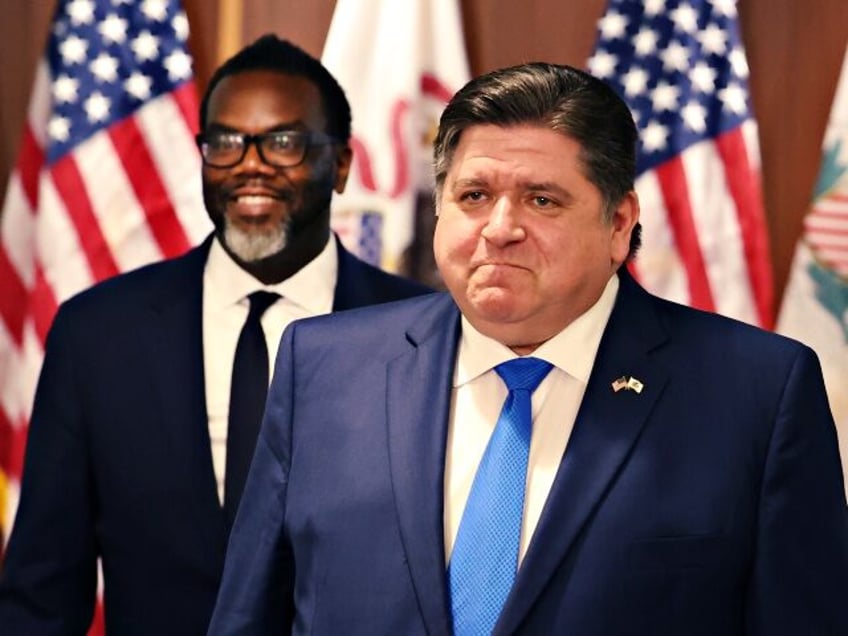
{"x": 815, "y": 303}
{"x": 399, "y": 63}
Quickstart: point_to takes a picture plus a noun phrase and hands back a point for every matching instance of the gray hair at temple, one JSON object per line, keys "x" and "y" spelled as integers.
{"x": 562, "y": 98}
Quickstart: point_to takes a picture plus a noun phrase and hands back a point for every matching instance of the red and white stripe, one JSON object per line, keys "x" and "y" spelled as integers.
{"x": 127, "y": 196}
{"x": 826, "y": 231}
{"x": 704, "y": 230}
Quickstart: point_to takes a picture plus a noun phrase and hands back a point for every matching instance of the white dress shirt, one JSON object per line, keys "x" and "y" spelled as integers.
{"x": 309, "y": 292}
{"x": 479, "y": 393}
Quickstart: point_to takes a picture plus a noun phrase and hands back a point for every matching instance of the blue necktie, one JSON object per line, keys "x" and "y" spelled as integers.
{"x": 485, "y": 554}
{"x": 247, "y": 401}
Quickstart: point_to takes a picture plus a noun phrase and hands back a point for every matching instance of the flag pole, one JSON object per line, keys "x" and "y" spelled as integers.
{"x": 230, "y": 20}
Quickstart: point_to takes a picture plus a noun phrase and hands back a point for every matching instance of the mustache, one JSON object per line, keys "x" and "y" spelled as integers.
{"x": 256, "y": 185}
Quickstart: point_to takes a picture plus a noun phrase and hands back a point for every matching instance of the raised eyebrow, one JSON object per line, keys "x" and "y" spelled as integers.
{"x": 470, "y": 183}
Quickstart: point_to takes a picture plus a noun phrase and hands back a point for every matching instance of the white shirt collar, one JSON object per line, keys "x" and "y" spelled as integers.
{"x": 312, "y": 287}
{"x": 572, "y": 350}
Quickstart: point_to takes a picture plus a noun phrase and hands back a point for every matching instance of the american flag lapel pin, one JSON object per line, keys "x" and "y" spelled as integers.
{"x": 628, "y": 383}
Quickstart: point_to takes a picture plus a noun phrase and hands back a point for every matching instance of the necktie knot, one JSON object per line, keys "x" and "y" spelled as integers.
{"x": 523, "y": 373}
{"x": 259, "y": 303}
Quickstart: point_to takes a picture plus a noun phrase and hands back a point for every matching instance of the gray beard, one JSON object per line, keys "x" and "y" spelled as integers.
{"x": 255, "y": 246}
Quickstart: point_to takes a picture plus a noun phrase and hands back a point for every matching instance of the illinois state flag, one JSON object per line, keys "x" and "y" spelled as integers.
{"x": 399, "y": 63}
{"x": 107, "y": 179}
{"x": 681, "y": 68}
{"x": 815, "y": 302}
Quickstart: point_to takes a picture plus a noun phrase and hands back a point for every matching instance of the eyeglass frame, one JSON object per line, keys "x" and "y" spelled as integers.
{"x": 312, "y": 138}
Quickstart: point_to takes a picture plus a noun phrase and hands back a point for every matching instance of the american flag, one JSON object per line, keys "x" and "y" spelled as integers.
{"x": 681, "y": 67}
{"x": 107, "y": 179}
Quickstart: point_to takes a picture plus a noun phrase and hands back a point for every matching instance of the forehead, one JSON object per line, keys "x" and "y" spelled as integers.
{"x": 262, "y": 99}
{"x": 523, "y": 152}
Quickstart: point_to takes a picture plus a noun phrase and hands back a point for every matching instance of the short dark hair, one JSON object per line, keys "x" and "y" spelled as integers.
{"x": 562, "y": 98}
{"x": 270, "y": 53}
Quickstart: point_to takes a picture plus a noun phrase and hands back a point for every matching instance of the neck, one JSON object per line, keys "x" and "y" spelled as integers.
{"x": 527, "y": 349}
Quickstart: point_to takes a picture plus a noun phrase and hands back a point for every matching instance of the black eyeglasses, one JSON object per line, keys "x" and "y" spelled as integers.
{"x": 279, "y": 148}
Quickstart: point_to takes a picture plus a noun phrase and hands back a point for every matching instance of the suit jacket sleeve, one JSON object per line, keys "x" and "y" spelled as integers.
{"x": 49, "y": 576}
{"x": 256, "y": 593}
{"x": 800, "y": 572}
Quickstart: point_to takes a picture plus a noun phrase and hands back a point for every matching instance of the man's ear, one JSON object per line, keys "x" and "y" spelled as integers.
{"x": 624, "y": 220}
{"x": 344, "y": 158}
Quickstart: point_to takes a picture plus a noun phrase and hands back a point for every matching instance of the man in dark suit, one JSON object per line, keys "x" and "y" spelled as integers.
{"x": 682, "y": 475}
{"x": 127, "y": 456}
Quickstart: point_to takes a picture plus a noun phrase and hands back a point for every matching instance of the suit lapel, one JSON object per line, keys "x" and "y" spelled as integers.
{"x": 418, "y": 403}
{"x": 608, "y": 424}
{"x": 175, "y": 350}
{"x": 349, "y": 283}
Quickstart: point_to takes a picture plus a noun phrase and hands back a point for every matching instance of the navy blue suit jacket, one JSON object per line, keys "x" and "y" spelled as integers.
{"x": 118, "y": 460}
{"x": 711, "y": 503}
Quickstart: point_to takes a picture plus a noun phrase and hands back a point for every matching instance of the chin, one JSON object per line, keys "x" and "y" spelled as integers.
{"x": 494, "y": 304}
{"x": 256, "y": 245}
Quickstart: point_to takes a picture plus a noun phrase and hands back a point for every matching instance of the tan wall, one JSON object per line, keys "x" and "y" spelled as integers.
{"x": 794, "y": 51}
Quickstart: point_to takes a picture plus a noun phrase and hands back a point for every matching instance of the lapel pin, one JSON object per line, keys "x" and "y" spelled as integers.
{"x": 619, "y": 384}
{"x": 628, "y": 384}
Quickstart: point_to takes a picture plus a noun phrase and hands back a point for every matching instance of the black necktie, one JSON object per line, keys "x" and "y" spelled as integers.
{"x": 247, "y": 400}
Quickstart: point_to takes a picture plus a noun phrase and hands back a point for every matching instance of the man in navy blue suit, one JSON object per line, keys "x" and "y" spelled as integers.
{"x": 682, "y": 473}
{"x": 127, "y": 447}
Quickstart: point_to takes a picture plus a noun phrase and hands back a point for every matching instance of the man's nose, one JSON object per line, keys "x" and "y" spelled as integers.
{"x": 504, "y": 223}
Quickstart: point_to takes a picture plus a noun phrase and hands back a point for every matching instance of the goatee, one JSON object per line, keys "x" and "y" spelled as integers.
{"x": 257, "y": 245}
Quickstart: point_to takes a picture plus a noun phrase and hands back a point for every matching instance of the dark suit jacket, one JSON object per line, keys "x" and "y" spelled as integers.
{"x": 118, "y": 460}
{"x": 711, "y": 503}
